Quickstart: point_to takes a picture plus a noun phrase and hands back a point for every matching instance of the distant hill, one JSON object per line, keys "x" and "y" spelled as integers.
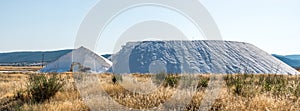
{"x": 30, "y": 58}
{"x": 292, "y": 60}
{"x": 107, "y": 56}
{"x": 33, "y": 58}
{"x": 294, "y": 57}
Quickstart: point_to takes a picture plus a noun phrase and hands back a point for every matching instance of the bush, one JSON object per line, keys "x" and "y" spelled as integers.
{"x": 238, "y": 86}
{"x": 203, "y": 82}
{"x": 41, "y": 87}
{"x": 171, "y": 81}
{"x": 229, "y": 79}
{"x": 268, "y": 83}
{"x": 238, "y": 82}
{"x": 297, "y": 91}
{"x": 280, "y": 85}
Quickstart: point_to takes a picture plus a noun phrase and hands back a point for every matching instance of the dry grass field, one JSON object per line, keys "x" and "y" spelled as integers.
{"x": 21, "y": 68}
{"x": 66, "y": 99}
{"x": 237, "y": 92}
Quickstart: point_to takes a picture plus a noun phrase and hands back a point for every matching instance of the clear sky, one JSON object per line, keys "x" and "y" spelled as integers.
{"x": 31, "y": 25}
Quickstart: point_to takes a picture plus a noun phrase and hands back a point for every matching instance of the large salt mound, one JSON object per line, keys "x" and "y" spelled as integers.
{"x": 78, "y": 60}
{"x": 216, "y": 57}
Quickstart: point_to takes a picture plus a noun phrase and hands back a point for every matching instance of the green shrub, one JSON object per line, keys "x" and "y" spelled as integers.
{"x": 203, "y": 82}
{"x": 280, "y": 85}
{"x": 269, "y": 83}
{"x": 41, "y": 87}
{"x": 238, "y": 83}
{"x": 171, "y": 81}
{"x": 297, "y": 91}
{"x": 230, "y": 80}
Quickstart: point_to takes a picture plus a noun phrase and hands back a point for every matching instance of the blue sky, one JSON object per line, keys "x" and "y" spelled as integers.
{"x": 31, "y": 25}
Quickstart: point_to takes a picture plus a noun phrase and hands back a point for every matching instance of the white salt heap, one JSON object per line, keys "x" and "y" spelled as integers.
{"x": 216, "y": 57}
{"x": 81, "y": 59}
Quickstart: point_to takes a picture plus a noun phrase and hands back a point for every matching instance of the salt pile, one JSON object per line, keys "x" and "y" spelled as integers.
{"x": 81, "y": 59}
{"x": 208, "y": 56}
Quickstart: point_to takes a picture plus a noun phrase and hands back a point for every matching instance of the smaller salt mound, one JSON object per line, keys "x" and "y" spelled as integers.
{"x": 216, "y": 57}
{"x": 80, "y": 59}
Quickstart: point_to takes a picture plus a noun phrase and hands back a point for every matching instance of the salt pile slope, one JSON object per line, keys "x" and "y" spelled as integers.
{"x": 80, "y": 59}
{"x": 216, "y": 57}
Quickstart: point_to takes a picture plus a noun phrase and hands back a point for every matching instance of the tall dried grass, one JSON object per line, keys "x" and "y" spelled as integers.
{"x": 238, "y": 92}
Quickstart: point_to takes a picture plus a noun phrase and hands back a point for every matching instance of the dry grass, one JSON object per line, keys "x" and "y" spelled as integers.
{"x": 97, "y": 92}
{"x": 9, "y": 83}
{"x": 20, "y": 68}
{"x": 66, "y": 99}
